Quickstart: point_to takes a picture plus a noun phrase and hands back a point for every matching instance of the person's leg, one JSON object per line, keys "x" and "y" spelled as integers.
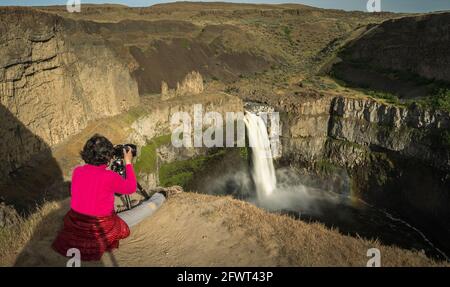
{"x": 143, "y": 210}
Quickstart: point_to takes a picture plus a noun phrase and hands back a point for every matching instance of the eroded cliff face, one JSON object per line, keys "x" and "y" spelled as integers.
{"x": 55, "y": 77}
{"x": 305, "y": 130}
{"x": 152, "y": 132}
{"x": 411, "y": 132}
{"x": 191, "y": 84}
{"x": 396, "y": 157}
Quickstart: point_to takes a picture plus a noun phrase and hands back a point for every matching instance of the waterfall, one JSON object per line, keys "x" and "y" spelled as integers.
{"x": 263, "y": 171}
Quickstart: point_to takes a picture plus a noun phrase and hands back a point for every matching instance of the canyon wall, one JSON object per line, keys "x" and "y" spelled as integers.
{"x": 55, "y": 77}
{"x": 397, "y": 157}
{"x": 412, "y": 132}
{"x": 152, "y": 131}
{"x": 407, "y": 57}
{"x": 317, "y": 127}
{"x": 416, "y": 45}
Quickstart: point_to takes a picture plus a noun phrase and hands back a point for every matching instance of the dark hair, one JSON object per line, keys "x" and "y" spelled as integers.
{"x": 98, "y": 150}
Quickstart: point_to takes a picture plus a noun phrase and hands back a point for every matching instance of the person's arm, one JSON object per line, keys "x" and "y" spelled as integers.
{"x": 126, "y": 185}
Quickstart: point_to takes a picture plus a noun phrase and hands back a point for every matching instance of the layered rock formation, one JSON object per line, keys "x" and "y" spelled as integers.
{"x": 55, "y": 77}
{"x": 317, "y": 126}
{"x": 147, "y": 130}
{"x": 396, "y": 157}
{"x": 411, "y": 132}
{"x": 191, "y": 84}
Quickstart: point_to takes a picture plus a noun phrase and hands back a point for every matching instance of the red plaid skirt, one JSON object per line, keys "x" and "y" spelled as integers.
{"x": 92, "y": 235}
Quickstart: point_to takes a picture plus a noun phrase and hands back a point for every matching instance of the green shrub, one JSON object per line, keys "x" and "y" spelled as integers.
{"x": 181, "y": 172}
{"x": 146, "y": 161}
{"x": 388, "y": 97}
{"x": 326, "y": 167}
{"x": 287, "y": 33}
{"x": 437, "y": 100}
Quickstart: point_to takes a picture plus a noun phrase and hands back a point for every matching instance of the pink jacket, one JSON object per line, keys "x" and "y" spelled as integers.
{"x": 93, "y": 188}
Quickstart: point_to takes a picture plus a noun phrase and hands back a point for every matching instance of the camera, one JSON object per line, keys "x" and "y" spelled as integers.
{"x": 118, "y": 150}
{"x": 117, "y": 164}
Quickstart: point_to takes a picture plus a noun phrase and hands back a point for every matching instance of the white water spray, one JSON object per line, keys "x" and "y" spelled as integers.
{"x": 263, "y": 171}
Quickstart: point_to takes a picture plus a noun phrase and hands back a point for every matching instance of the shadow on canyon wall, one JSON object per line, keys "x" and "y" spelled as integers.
{"x": 410, "y": 189}
{"x": 29, "y": 172}
{"x": 30, "y": 176}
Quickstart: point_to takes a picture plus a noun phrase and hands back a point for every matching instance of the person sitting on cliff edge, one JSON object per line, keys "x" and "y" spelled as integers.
{"x": 92, "y": 225}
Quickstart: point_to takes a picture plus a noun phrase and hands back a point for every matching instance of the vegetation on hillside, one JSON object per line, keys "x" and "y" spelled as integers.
{"x": 438, "y": 100}
{"x": 147, "y": 159}
{"x": 181, "y": 172}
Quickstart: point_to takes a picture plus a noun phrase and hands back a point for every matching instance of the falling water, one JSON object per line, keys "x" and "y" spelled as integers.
{"x": 263, "y": 171}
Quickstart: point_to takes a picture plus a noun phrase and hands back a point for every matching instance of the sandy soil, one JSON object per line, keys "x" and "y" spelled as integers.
{"x": 200, "y": 230}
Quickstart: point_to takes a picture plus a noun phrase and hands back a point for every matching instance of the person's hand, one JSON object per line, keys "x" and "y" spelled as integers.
{"x": 128, "y": 155}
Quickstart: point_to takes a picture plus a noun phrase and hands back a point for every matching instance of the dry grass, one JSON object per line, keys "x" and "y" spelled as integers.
{"x": 201, "y": 230}
{"x": 13, "y": 239}
{"x": 297, "y": 243}
{"x": 300, "y": 38}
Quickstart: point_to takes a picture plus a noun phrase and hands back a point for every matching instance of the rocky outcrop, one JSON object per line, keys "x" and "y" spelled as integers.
{"x": 191, "y": 84}
{"x": 55, "y": 77}
{"x": 364, "y": 123}
{"x": 305, "y": 130}
{"x": 157, "y": 123}
{"x": 412, "y": 132}
{"x": 396, "y": 157}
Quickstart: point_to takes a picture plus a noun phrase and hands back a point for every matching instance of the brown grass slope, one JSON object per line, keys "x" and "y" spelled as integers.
{"x": 227, "y": 43}
{"x": 402, "y": 56}
{"x": 289, "y": 35}
{"x": 201, "y": 230}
